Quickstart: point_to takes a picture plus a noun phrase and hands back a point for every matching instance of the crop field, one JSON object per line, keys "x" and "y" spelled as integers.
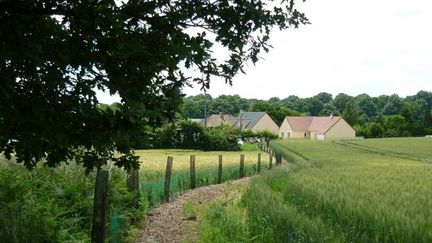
{"x": 153, "y": 164}
{"x": 376, "y": 190}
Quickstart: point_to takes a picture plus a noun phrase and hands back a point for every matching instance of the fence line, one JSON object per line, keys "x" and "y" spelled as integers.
{"x": 101, "y": 189}
{"x": 262, "y": 147}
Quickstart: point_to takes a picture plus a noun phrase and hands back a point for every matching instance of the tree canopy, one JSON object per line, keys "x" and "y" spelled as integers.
{"x": 54, "y": 54}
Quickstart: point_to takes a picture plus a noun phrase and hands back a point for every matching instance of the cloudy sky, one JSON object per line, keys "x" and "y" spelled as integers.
{"x": 354, "y": 47}
{"x": 369, "y": 46}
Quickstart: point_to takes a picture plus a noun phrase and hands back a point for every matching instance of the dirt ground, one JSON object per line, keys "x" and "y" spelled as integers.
{"x": 168, "y": 223}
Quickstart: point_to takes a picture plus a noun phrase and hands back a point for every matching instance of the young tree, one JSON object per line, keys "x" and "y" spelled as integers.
{"x": 54, "y": 54}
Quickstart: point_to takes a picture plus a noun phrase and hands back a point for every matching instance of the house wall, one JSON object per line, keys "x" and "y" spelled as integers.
{"x": 266, "y": 123}
{"x": 285, "y": 128}
{"x": 340, "y": 130}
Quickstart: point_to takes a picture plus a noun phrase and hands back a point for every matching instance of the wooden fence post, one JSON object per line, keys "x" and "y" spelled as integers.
{"x": 241, "y": 175}
{"x": 259, "y": 163}
{"x": 133, "y": 179}
{"x": 133, "y": 184}
{"x": 220, "y": 170}
{"x": 168, "y": 178}
{"x": 192, "y": 172}
{"x": 100, "y": 207}
{"x": 270, "y": 161}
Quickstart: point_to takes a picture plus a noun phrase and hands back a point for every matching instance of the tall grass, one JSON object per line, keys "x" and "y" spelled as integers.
{"x": 272, "y": 219}
{"x": 339, "y": 191}
{"x": 359, "y": 195}
{"x": 55, "y": 205}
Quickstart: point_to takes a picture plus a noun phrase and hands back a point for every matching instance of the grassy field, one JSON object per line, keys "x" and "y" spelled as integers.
{"x": 153, "y": 164}
{"x": 376, "y": 190}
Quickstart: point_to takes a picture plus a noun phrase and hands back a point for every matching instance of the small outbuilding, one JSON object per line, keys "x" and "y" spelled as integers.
{"x": 316, "y": 128}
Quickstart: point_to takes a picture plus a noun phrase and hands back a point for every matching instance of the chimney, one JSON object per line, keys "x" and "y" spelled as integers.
{"x": 331, "y": 116}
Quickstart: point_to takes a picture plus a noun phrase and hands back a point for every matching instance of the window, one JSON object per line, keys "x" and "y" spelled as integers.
{"x": 289, "y": 135}
{"x": 282, "y": 134}
{"x": 305, "y": 135}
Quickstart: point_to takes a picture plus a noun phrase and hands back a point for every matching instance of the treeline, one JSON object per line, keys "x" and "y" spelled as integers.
{"x": 382, "y": 116}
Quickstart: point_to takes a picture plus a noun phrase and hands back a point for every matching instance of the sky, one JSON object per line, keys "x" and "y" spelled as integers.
{"x": 353, "y": 47}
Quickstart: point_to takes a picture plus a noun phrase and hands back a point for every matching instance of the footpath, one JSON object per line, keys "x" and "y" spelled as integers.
{"x": 168, "y": 223}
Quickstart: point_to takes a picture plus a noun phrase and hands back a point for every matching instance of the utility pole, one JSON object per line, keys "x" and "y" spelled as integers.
{"x": 241, "y": 115}
{"x": 205, "y": 111}
{"x": 221, "y": 117}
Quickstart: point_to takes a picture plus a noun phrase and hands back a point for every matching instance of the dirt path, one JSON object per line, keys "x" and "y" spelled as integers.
{"x": 168, "y": 223}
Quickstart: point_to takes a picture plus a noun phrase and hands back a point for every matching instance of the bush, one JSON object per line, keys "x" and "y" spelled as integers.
{"x": 191, "y": 135}
{"x": 223, "y": 138}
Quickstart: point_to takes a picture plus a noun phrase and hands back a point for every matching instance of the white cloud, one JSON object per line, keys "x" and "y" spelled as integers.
{"x": 374, "y": 47}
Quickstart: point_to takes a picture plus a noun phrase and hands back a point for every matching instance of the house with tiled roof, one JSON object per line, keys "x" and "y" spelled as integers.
{"x": 217, "y": 120}
{"x": 255, "y": 121}
{"x": 316, "y": 128}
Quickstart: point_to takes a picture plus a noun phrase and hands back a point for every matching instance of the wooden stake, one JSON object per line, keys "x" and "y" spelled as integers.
{"x": 270, "y": 161}
{"x": 133, "y": 179}
{"x": 220, "y": 170}
{"x": 241, "y": 175}
{"x": 192, "y": 172}
{"x": 168, "y": 178}
{"x": 259, "y": 163}
{"x": 100, "y": 207}
{"x": 133, "y": 184}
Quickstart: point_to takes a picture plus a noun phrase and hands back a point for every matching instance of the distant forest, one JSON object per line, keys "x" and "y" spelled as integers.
{"x": 382, "y": 116}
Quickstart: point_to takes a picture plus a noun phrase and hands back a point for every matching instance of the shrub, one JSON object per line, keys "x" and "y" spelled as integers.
{"x": 223, "y": 138}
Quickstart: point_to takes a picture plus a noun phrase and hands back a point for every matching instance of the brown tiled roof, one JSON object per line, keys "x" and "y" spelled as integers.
{"x": 217, "y": 120}
{"x": 299, "y": 123}
{"x": 320, "y": 124}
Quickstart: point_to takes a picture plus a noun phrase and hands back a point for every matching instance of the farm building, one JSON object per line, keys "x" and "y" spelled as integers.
{"x": 255, "y": 121}
{"x": 316, "y": 128}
